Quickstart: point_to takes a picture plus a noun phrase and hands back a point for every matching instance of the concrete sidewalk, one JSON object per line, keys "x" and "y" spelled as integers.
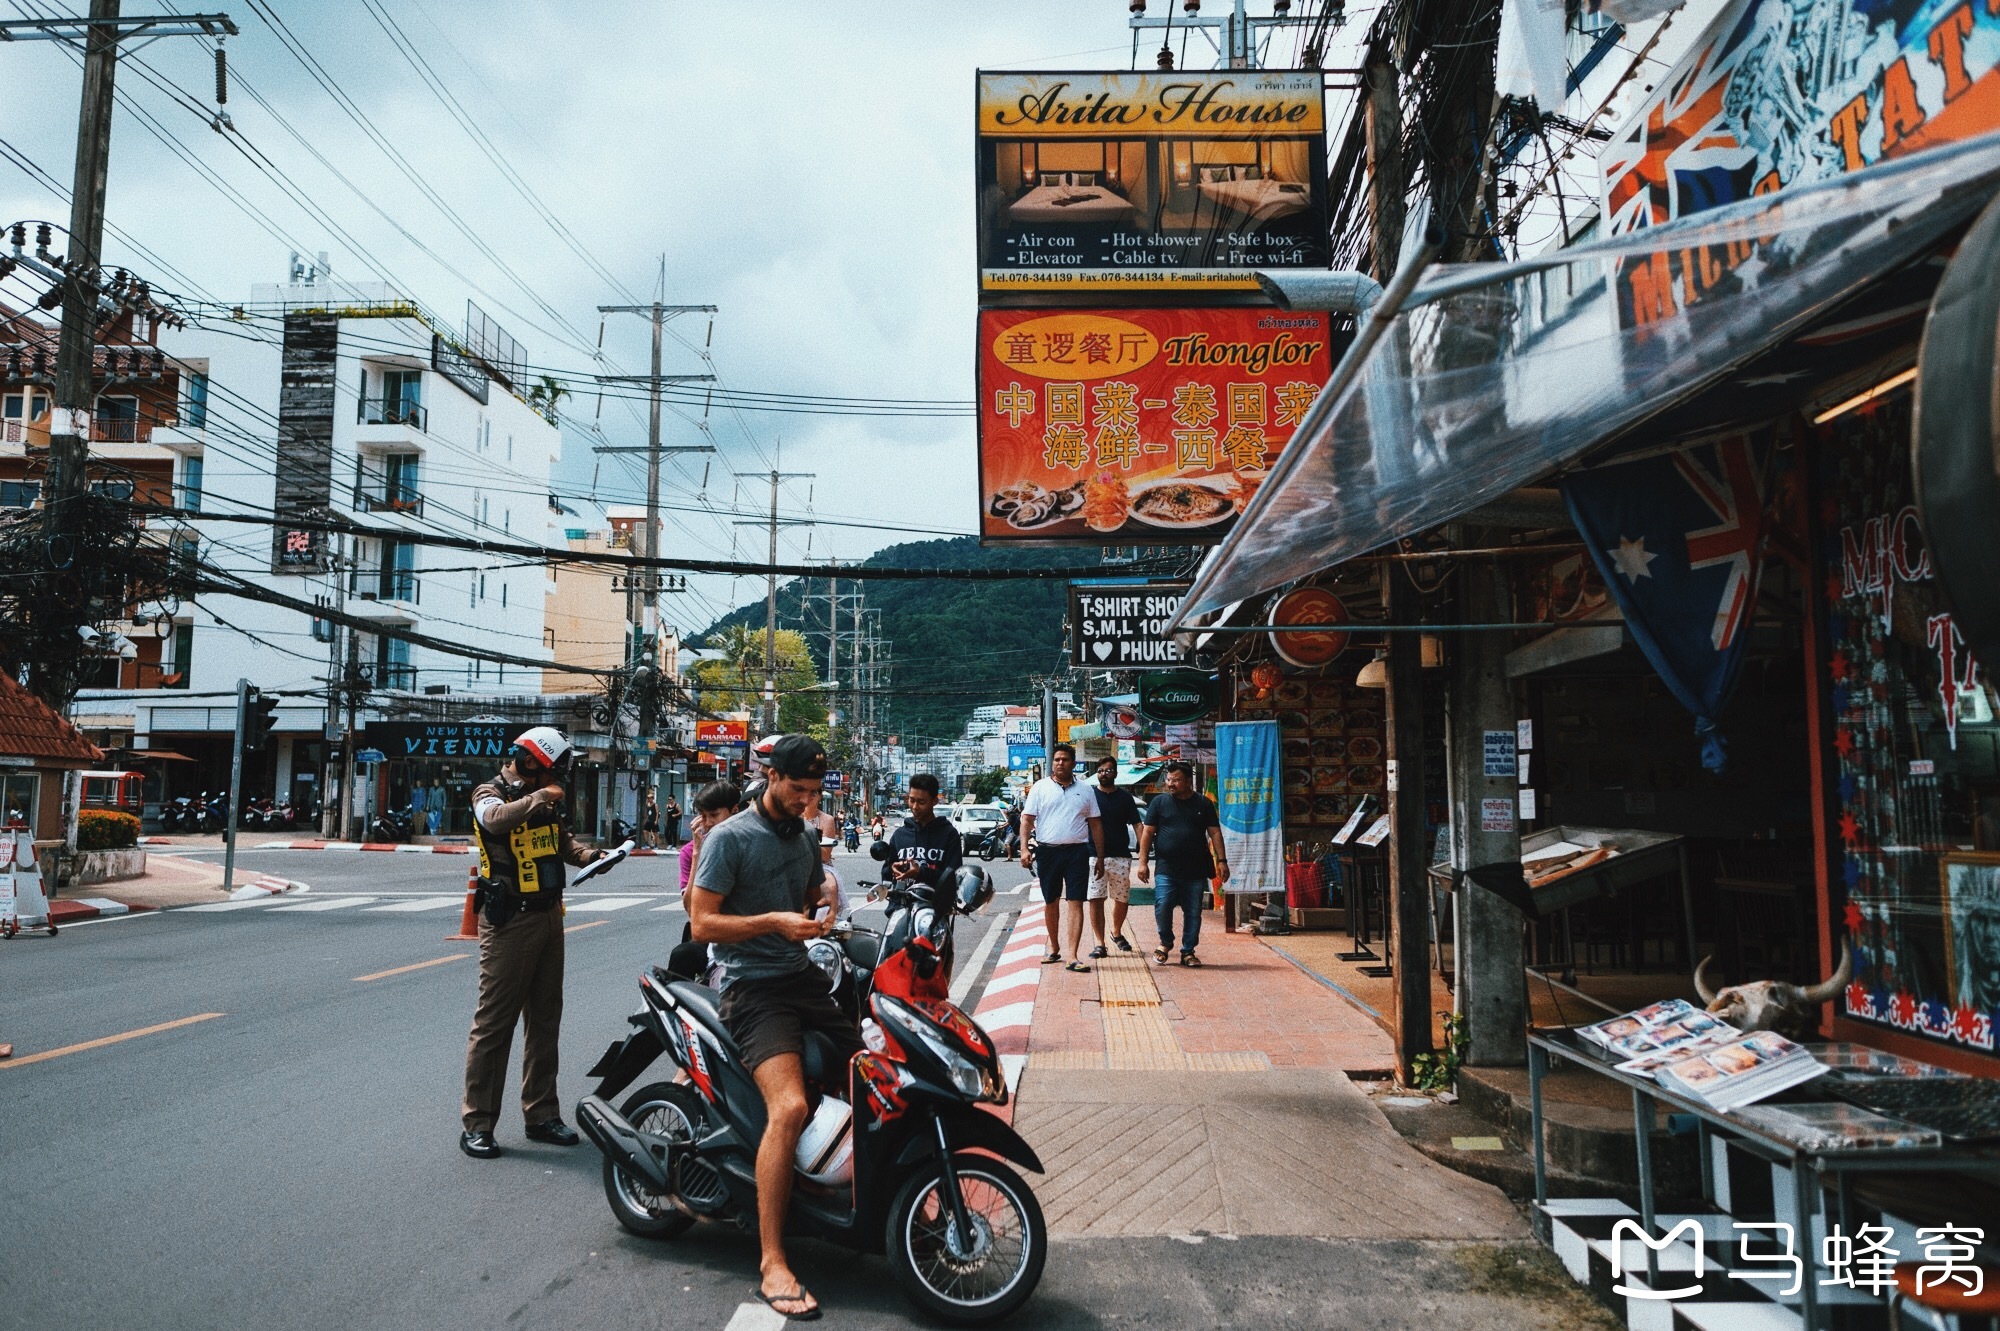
{"x": 169, "y": 880}
{"x": 1167, "y": 1100}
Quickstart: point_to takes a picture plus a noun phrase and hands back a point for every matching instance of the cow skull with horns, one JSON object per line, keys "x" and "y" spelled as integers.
{"x": 1774, "y": 1005}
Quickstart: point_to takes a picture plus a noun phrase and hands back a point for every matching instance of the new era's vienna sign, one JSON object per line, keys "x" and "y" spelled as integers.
{"x": 1122, "y": 625}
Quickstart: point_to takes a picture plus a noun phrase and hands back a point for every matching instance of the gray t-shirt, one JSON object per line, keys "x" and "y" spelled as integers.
{"x": 755, "y": 871}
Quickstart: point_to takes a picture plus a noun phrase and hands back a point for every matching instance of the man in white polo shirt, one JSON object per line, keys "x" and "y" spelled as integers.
{"x": 1060, "y": 833}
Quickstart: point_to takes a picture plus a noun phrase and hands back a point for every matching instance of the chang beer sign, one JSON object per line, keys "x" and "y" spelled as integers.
{"x": 1174, "y": 697}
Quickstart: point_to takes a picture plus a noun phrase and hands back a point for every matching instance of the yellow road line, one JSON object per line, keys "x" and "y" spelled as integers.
{"x": 108, "y": 1039}
{"x": 414, "y": 966}
{"x": 592, "y": 925}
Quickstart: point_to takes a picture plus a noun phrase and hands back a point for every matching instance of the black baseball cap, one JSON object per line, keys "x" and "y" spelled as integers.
{"x": 799, "y": 757}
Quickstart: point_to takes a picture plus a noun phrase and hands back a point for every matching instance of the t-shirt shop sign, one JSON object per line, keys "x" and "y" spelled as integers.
{"x": 1123, "y": 627}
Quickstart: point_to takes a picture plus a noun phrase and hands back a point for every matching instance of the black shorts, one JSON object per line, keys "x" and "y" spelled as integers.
{"x": 770, "y": 1017}
{"x": 1063, "y": 870}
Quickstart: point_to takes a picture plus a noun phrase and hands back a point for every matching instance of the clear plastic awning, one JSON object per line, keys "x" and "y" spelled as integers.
{"x": 1495, "y": 374}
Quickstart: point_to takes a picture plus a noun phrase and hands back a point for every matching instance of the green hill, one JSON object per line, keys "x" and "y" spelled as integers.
{"x": 956, "y": 644}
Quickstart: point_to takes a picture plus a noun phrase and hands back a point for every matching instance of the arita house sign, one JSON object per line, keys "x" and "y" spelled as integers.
{"x": 1122, "y": 625}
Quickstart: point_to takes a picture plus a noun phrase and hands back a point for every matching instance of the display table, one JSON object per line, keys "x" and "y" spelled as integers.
{"x": 1810, "y": 1165}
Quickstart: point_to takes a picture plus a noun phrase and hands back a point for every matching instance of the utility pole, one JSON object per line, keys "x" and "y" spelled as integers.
{"x": 232, "y": 802}
{"x": 770, "y": 711}
{"x": 659, "y": 313}
{"x": 1385, "y": 163}
{"x": 329, "y": 814}
{"x": 100, "y": 34}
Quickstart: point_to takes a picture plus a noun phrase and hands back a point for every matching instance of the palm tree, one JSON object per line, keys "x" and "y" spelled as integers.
{"x": 546, "y": 397}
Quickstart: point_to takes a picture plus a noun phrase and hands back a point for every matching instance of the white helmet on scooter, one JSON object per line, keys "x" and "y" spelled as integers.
{"x": 826, "y": 1147}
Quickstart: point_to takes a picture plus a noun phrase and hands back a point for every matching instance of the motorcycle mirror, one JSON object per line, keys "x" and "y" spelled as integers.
{"x": 879, "y": 851}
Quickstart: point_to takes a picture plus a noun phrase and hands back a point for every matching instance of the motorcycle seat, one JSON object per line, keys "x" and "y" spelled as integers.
{"x": 819, "y": 1060}
{"x": 701, "y": 1001}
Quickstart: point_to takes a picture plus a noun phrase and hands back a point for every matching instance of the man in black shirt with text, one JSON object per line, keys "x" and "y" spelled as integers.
{"x": 1184, "y": 834}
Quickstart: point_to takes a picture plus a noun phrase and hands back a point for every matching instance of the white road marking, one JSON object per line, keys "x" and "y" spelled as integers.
{"x": 606, "y": 903}
{"x": 1010, "y": 1070}
{"x": 236, "y": 905}
{"x": 1020, "y": 953}
{"x": 756, "y": 1317}
{"x": 969, "y": 971}
{"x": 331, "y": 903}
{"x": 1012, "y": 1014}
{"x": 421, "y": 903}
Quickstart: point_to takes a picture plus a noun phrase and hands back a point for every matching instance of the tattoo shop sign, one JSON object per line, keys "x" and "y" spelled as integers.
{"x": 1117, "y": 625}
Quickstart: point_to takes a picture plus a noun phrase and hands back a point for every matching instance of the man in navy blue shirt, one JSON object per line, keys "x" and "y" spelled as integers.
{"x": 925, "y": 848}
{"x": 1184, "y": 834}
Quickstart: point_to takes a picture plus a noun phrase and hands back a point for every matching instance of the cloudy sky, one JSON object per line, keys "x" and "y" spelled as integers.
{"x": 806, "y": 167}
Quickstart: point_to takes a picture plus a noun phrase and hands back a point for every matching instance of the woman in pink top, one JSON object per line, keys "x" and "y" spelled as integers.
{"x": 716, "y": 802}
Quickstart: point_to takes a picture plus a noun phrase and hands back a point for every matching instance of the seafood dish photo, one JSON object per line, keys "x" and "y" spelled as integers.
{"x": 1178, "y": 503}
{"x": 1027, "y": 505}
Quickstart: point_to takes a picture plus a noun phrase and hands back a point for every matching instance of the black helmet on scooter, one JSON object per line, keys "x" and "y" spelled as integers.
{"x": 972, "y": 888}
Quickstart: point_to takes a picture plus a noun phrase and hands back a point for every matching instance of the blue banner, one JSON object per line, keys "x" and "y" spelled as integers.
{"x": 1679, "y": 537}
{"x": 1249, "y": 806}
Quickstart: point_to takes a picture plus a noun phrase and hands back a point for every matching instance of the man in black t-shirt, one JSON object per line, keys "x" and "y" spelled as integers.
{"x": 1119, "y": 813}
{"x": 1184, "y": 835}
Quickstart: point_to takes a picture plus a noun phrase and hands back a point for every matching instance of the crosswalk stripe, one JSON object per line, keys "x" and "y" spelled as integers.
{"x": 331, "y": 903}
{"x": 671, "y": 905}
{"x": 606, "y": 903}
{"x": 246, "y": 904}
{"x": 421, "y": 903}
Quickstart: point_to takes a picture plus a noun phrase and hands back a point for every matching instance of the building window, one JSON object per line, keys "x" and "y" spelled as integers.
{"x": 399, "y": 480}
{"x": 482, "y": 586}
{"x": 17, "y": 798}
{"x": 19, "y": 494}
{"x": 189, "y": 497}
{"x": 399, "y": 577}
{"x": 115, "y": 487}
{"x": 194, "y": 412}
{"x": 400, "y": 401}
{"x": 17, "y": 410}
{"x": 396, "y": 671}
{"x": 117, "y": 420}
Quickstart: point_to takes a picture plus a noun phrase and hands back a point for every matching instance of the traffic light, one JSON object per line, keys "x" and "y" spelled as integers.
{"x": 259, "y": 720}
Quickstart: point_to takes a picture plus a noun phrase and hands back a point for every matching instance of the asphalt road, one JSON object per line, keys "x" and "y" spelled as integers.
{"x": 286, "y": 1155}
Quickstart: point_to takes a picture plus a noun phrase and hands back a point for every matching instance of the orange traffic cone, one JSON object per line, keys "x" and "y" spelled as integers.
{"x": 468, "y": 924}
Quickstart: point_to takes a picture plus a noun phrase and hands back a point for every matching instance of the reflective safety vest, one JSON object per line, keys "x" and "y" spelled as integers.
{"x": 527, "y": 860}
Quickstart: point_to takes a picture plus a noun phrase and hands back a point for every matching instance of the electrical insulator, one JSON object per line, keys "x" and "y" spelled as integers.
{"x": 1137, "y": 6}
{"x": 51, "y": 298}
{"x": 1191, "y": 6}
{"x": 221, "y": 75}
{"x": 20, "y": 235}
{"x": 43, "y": 235}
{"x": 1166, "y": 57}
{"x": 1280, "y": 8}
{"x": 6, "y": 267}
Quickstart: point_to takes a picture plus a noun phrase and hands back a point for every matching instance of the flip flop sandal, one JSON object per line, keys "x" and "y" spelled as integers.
{"x": 1052, "y": 959}
{"x": 1190, "y": 959}
{"x": 1124, "y": 943}
{"x": 1099, "y": 953}
{"x": 1160, "y": 954}
{"x": 1078, "y": 967}
{"x": 798, "y": 1295}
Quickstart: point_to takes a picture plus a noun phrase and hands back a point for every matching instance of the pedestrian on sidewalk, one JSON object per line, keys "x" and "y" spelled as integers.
{"x": 1060, "y": 833}
{"x": 1184, "y": 836}
{"x": 755, "y": 886}
{"x": 523, "y": 829}
{"x": 1118, "y": 813}
{"x": 672, "y": 815}
{"x": 649, "y": 822}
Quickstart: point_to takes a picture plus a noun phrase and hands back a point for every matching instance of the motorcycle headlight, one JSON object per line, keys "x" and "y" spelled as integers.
{"x": 826, "y": 956}
{"x": 968, "y": 1078}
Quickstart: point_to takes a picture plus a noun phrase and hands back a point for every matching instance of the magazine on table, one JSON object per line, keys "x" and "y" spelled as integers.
{"x": 1656, "y": 1034}
{"x": 1741, "y": 1072}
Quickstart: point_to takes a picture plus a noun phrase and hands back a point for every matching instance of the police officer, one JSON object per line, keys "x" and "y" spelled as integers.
{"x": 524, "y": 836}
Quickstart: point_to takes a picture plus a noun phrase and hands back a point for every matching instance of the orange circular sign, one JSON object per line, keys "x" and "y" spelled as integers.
{"x": 1307, "y": 606}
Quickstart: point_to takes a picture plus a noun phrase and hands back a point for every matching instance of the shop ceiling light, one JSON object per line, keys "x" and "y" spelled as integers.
{"x": 1889, "y": 385}
{"x": 1374, "y": 675}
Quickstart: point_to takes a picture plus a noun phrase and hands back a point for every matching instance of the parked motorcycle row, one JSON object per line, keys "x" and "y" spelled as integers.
{"x": 897, "y": 1159}
{"x": 208, "y": 811}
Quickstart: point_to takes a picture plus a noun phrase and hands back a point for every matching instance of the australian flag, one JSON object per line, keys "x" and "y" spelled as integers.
{"x": 1679, "y": 536}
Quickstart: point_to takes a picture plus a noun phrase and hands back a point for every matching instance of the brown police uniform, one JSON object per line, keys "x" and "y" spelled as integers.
{"x": 521, "y": 855}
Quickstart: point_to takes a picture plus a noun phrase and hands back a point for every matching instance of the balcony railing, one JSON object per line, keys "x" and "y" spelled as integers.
{"x": 390, "y": 501}
{"x": 392, "y": 411}
{"x": 387, "y": 585}
{"x": 391, "y": 675}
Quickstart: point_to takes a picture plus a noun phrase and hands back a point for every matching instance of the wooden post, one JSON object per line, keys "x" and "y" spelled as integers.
{"x": 1386, "y": 204}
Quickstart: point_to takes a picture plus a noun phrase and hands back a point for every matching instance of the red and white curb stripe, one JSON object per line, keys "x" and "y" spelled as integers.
{"x": 88, "y": 908}
{"x": 1007, "y": 1007}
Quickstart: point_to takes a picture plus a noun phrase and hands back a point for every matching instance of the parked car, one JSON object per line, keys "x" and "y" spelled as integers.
{"x": 974, "y": 821}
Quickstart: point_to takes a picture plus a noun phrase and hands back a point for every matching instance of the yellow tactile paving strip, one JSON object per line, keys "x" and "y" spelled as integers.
{"x": 1137, "y": 1035}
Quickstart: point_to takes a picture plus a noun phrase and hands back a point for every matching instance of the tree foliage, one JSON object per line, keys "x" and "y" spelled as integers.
{"x": 956, "y": 644}
{"x": 735, "y": 683}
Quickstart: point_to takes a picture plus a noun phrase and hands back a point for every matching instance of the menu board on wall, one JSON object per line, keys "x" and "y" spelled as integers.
{"x": 1331, "y": 749}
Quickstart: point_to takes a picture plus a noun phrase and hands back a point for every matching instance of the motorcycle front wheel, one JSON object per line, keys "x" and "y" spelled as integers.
{"x": 967, "y": 1283}
{"x": 669, "y": 1111}
{"x": 987, "y": 852}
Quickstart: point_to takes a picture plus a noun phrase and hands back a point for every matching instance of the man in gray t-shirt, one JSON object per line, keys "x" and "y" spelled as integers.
{"x": 752, "y": 895}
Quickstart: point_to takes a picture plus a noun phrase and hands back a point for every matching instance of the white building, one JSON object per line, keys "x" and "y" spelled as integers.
{"x": 353, "y": 403}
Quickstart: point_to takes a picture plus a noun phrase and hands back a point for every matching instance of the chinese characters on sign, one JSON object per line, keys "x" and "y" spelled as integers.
{"x": 1864, "y": 1261}
{"x": 1154, "y": 425}
{"x": 1145, "y": 181}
